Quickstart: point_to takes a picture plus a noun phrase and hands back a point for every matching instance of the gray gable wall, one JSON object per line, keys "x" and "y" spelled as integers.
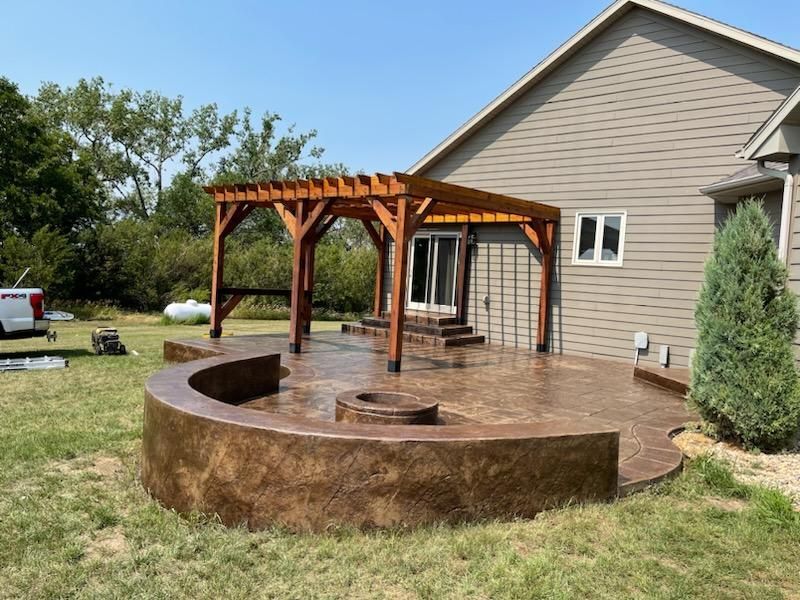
{"x": 638, "y": 120}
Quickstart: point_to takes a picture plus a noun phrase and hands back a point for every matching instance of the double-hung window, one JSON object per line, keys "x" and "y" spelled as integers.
{"x": 599, "y": 238}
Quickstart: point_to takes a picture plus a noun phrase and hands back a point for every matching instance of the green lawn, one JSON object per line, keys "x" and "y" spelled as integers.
{"x": 74, "y": 521}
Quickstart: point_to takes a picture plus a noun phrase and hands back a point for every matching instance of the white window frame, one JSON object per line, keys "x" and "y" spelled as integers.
{"x": 598, "y": 238}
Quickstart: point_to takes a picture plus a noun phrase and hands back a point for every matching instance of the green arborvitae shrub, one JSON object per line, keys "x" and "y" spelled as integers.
{"x": 744, "y": 379}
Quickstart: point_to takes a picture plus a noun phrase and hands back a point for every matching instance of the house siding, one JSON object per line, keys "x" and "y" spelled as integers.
{"x": 638, "y": 120}
{"x": 794, "y": 254}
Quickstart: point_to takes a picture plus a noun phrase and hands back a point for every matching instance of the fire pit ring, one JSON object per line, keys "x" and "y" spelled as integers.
{"x": 385, "y": 408}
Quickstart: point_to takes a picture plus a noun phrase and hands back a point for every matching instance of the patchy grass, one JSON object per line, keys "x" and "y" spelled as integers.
{"x": 74, "y": 521}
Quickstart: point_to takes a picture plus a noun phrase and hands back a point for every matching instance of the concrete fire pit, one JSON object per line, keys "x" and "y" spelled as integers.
{"x": 385, "y": 408}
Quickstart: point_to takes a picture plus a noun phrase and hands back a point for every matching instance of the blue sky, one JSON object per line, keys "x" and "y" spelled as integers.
{"x": 382, "y": 82}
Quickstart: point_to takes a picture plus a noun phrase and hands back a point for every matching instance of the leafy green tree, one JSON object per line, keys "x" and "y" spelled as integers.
{"x": 136, "y": 139}
{"x": 42, "y": 182}
{"x": 118, "y": 264}
{"x": 260, "y": 155}
{"x": 100, "y": 193}
{"x": 49, "y": 256}
{"x": 185, "y": 206}
{"x": 744, "y": 379}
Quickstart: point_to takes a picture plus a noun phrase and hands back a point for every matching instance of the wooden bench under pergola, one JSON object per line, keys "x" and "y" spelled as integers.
{"x": 399, "y": 204}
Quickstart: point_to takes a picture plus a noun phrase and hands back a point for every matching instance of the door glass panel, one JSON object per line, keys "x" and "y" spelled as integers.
{"x": 445, "y": 271}
{"x": 419, "y": 270}
{"x": 588, "y": 230}
{"x": 611, "y": 229}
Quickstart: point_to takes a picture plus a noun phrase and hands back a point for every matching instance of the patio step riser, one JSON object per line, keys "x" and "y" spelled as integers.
{"x": 426, "y": 319}
{"x": 440, "y": 331}
{"x": 456, "y": 340}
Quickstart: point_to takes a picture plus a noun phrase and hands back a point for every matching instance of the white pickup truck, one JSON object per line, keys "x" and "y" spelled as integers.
{"x": 22, "y": 313}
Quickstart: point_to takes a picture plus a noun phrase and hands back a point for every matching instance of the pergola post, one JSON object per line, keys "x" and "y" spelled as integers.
{"x": 298, "y": 280}
{"x": 308, "y": 283}
{"x": 217, "y": 269}
{"x": 379, "y": 238}
{"x": 400, "y": 276}
{"x": 380, "y": 270}
{"x": 547, "y": 246}
{"x": 461, "y": 275}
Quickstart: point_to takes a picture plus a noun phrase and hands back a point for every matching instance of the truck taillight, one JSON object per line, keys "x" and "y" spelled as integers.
{"x": 37, "y": 304}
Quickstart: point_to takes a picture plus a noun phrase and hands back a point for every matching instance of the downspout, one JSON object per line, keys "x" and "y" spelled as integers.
{"x": 786, "y": 207}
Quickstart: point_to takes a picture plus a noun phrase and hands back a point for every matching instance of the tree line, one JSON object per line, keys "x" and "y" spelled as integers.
{"x": 101, "y": 196}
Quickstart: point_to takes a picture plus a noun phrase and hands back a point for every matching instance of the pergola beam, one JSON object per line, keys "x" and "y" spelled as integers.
{"x": 448, "y": 192}
{"x": 385, "y": 216}
{"x": 315, "y": 217}
{"x": 422, "y": 213}
{"x": 325, "y": 226}
{"x": 287, "y": 217}
{"x": 373, "y": 233}
{"x": 363, "y": 190}
{"x": 233, "y": 217}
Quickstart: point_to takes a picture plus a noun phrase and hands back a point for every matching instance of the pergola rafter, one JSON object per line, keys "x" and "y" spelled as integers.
{"x": 400, "y": 203}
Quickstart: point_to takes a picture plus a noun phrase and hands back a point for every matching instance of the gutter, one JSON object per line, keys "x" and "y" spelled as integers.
{"x": 786, "y": 206}
{"x": 716, "y": 189}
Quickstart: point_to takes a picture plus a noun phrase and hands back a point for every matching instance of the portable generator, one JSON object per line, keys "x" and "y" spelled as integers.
{"x": 105, "y": 340}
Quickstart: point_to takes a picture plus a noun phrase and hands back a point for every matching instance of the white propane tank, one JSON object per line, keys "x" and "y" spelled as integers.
{"x": 187, "y": 311}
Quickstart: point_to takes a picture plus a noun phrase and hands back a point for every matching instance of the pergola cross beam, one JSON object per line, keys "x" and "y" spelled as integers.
{"x": 315, "y": 218}
{"x": 385, "y": 216}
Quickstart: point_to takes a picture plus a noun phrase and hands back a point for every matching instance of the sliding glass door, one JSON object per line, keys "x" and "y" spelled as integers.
{"x": 432, "y": 273}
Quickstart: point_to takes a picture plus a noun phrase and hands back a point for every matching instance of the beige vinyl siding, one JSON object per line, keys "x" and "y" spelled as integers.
{"x": 387, "y": 276}
{"x": 637, "y": 121}
{"x": 773, "y": 205}
{"x": 794, "y": 255}
{"x": 504, "y": 268}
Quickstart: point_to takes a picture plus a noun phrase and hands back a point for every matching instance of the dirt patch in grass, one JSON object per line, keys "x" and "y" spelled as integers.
{"x": 101, "y": 466}
{"x": 781, "y": 471}
{"x": 107, "y": 544}
{"x": 727, "y": 504}
{"x": 106, "y": 466}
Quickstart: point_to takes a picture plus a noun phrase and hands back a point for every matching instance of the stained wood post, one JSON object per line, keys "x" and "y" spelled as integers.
{"x": 380, "y": 270}
{"x": 547, "y": 247}
{"x": 461, "y": 276}
{"x": 308, "y": 282}
{"x": 298, "y": 281}
{"x": 217, "y": 269}
{"x": 400, "y": 277}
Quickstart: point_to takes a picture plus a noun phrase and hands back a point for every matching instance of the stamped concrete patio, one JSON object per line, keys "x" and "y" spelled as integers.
{"x": 476, "y": 384}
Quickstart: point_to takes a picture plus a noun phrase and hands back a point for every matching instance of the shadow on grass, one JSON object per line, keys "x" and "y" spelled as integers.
{"x": 65, "y": 352}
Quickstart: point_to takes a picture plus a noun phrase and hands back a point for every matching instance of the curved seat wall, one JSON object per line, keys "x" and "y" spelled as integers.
{"x": 201, "y": 452}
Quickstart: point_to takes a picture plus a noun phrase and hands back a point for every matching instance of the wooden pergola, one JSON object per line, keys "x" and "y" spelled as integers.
{"x": 399, "y": 204}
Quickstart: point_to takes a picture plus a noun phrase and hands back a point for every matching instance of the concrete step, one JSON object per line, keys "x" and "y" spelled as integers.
{"x": 409, "y": 336}
{"x": 413, "y": 327}
{"x": 426, "y": 318}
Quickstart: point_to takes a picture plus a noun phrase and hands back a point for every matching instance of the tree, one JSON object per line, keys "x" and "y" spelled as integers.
{"x": 135, "y": 139}
{"x": 260, "y": 155}
{"x": 185, "y": 206}
{"x": 42, "y": 182}
{"x": 744, "y": 380}
{"x": 49, "y": 257}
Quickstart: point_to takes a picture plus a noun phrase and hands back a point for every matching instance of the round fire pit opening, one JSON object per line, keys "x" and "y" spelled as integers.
{"x": 385, "y": 408}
